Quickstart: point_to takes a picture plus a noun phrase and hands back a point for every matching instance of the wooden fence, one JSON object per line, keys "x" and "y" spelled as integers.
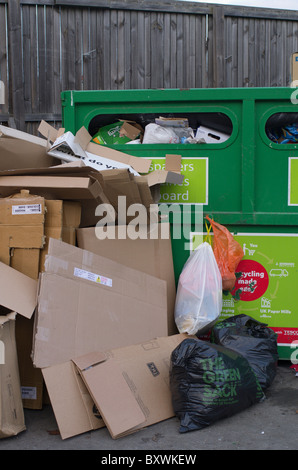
{"x": 48, "y": 46}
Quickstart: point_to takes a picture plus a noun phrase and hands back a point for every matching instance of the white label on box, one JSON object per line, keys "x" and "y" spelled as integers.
{"x": 26, "y": 209}
{"x": 106, "y": 281}
{"x": 29, "y": 393}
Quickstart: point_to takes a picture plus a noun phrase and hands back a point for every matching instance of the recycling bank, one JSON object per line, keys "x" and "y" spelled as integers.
{"x": 243, "y": 173}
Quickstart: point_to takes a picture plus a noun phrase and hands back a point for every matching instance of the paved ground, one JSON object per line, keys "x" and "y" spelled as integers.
{"x": 270, "y": 425}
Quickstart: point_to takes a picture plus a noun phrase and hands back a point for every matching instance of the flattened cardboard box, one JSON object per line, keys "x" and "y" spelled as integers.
{"x": 125, "y": 389}
{"x": 150, "y": 253}
{"x": 87, "y": 302}
{"x": 21, "y": 150}
{"x": 61, "y": 218}
{"x": 22, "y": 219}
{"x": 12, "y": 420}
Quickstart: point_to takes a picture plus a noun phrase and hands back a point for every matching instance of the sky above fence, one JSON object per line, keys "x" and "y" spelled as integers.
{"x": 272, "y": 4}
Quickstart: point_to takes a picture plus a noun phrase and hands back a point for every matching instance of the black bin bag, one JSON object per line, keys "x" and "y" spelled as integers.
{"x": 253, "y": 340}
{"x": 209, "y": 382}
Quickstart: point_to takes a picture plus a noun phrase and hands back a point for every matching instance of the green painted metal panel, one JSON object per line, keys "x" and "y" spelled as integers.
{"x": 248, "y": 183}
{"x": 248, "y": 174}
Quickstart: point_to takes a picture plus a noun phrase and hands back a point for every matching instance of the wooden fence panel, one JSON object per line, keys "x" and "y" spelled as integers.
{"x": 47, "y": 46}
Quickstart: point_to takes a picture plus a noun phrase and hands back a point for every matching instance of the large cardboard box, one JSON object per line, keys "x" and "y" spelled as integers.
{"x": 125, "y": 389}
{"x": 87, "y": 302}
{"x": 22, "y": 218}
{"x": 12, "y": 419}
{"x": 151, "y": 253}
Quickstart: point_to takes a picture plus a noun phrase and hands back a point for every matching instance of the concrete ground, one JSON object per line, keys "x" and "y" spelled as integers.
{"x": 269, "y": 425}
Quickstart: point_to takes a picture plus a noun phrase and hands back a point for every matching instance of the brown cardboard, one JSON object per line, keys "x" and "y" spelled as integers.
{"x": 163, "y": 176}
{"x": 107, "y": 386}
{"x": 151, "y": 254}
{"x": 173, "y": 163}
{"x": 60, "y": 187}
{"x": 61, "y": 221}
{"x": 294, "y": 67}
{"x": 72, "y": 404}
{"x": 18, "y": 291}
{"x": 12, "y": 420}
{"x": 128, "y": 388}
{"x": 31, "y": 379}
{"x": 22, "y": 219}
{"x": 87, "y": 302}
{"x": 21, "y": 150}
{"x": 22, "y": 228}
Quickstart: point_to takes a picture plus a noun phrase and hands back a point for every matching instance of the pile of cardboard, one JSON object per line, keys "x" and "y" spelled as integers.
{"x": 86, "y": 325}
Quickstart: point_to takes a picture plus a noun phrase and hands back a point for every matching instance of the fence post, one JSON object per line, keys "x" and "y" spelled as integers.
{"x": 16, "y": 104}
{"x": 218, "y": 52}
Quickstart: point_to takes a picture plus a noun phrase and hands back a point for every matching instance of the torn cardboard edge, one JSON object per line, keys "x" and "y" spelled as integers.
{"x": 88, "y": 150}
{"x": 18, "y": 291}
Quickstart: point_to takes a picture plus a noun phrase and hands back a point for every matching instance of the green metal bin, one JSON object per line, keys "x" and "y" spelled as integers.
{"x": 248, "y": 182}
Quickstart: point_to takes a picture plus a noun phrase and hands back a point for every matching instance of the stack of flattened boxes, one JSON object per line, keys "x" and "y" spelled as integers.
{"x": 26, "y": 223}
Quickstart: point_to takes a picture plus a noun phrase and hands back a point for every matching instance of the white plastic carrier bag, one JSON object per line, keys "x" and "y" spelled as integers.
{"x": 199, "y": 293}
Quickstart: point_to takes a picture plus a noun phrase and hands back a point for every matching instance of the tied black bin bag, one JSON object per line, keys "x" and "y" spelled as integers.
{"x": 209, "y": 382}
{"x": 253, "y": 340}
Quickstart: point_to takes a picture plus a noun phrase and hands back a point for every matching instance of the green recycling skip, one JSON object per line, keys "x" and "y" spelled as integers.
{"x": 193, "y": 190}
{"x": 267, "y": 282}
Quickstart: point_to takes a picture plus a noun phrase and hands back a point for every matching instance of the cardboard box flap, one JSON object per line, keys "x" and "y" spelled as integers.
{"x": 173, "y": 163}
{"x": 139, "y": 164}
{"x": 48, "y": 131}
{"x": 72, "y": 404}
{"x": 21, "y": 150}
{"x": 18, "y": 291}
{"x": 112, "y": 396}
{"x": 89, "y": 360}
{"x": 163, "y": 176}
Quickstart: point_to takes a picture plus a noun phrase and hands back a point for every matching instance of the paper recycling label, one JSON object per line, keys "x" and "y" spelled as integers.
{"x": 89, "y": 276}
{"x": 26, "y": 209}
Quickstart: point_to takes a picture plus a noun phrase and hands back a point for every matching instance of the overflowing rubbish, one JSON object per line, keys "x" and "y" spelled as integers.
{"x": 162, "y": 130}
{"x": 78, "y": 316}
{"x": 284, "y": 135}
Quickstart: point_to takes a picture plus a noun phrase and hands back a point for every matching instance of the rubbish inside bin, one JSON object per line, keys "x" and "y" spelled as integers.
{"x": 282, "y": 128}
{"x": 120, "y": 132}
{"x": 158, "y": 134}
{"x": 199, "y": 293}
{"x": 253, "y": 340}
{"x": 209, "y": 382}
